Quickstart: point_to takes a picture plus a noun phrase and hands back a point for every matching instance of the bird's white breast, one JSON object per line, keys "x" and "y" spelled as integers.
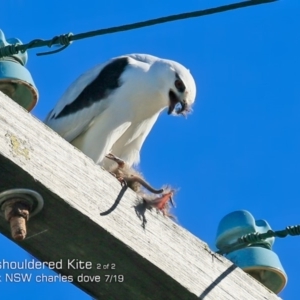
{"x": 132, "y": 111}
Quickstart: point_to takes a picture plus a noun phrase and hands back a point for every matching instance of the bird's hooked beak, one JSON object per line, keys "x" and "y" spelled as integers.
{"x": 178, "y": 105}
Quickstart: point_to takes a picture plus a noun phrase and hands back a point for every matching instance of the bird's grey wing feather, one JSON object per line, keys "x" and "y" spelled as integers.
{"x": 86, "y": 98}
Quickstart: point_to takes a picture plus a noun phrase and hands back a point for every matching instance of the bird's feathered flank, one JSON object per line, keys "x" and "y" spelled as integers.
{"x": 113, "y": 106}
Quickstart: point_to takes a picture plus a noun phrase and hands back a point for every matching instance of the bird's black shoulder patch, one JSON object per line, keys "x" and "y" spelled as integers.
{"x": 108, "y": 79}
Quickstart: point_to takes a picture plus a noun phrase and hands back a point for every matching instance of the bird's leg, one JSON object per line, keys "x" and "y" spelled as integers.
{"x": 161, "y": 203}
{"x": 119, "y": 161}
{"x": 129, "y": 176}
{"x": 117, "y": 173}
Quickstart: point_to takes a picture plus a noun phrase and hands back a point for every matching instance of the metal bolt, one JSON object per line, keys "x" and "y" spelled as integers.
{"x": 16, "y": 206}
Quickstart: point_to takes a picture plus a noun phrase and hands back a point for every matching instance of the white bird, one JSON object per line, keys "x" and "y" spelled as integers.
{"x": 113, "y": 106}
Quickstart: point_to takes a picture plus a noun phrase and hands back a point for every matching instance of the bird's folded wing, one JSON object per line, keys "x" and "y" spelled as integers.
{"x": 69, "y": 124}
{"x": 72, "y": 125}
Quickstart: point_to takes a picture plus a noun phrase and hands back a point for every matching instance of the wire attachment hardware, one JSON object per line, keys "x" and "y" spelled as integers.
{"x": 63, "y": 40}
{"x": 256, "y": 237}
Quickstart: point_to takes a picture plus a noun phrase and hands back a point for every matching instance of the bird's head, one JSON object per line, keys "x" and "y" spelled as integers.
{"x": 178, "y": 86}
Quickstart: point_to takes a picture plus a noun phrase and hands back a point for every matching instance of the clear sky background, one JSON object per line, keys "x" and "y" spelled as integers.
{"x": 240, "y": 147}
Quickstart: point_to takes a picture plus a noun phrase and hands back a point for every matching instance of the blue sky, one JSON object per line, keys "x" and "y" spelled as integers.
{"x": 240, "y": 147}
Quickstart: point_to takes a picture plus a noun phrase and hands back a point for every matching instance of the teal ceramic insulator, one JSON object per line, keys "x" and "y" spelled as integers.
{"x": 257, "y": 258}
{"x": 15, "y": 80}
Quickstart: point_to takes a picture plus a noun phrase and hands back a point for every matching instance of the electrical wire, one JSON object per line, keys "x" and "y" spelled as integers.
{"x": 66, "y": 39}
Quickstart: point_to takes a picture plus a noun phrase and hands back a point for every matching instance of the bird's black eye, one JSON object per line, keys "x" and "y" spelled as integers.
{"x": 179, "y": 85}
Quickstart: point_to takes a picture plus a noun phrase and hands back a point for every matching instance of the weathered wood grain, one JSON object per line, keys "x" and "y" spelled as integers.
{"x": 160, "y": 261}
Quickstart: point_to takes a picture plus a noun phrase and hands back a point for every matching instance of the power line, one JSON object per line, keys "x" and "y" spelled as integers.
{"x": 66, "y": 39}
